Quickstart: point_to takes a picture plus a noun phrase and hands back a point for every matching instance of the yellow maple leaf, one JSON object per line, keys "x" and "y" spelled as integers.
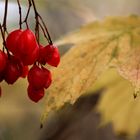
{"x": 117, "y": 104}
{"x": 114, "y": 42}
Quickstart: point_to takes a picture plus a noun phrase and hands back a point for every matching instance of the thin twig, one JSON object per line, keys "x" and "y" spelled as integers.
{"x": 20, "y": 14}
{"x": 5, "y": 16}
{"x": 37, "y": 17}
{"x": 27, "y": 15}
{"x": 4, "y": 42}
{"x": 3, "y": 37}
{"x": 37, "y": 21}
{"x": 43, "y": 31}
{"x": 46, "y": 29}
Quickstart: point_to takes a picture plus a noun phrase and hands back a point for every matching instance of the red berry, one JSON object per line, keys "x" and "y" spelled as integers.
{"x": 39, "y": 77}
{"x": 2, "y": 74}
{"x": 11, "y": 41}
{"x": 19, "y": 64}
{"x": 12, "y": 71}
{"x": 29, "y": 59}
{"x": 52, "y": 56}
{"x": 3, "y": 60}
{"x": 35, "y": 94}
{"x": 48, "y": 76}
{"x": 26, "y": 43}
{"x": 36, "y": 77}
{"x": 49, "y": 54}
{"x": 25, "y": 70}
{"x": 42, "y": 55}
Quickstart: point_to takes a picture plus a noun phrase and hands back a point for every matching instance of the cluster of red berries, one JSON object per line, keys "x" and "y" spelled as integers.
{"x": 22, "y": 51}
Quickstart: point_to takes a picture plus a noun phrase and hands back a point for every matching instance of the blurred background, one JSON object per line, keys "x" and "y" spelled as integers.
{"x": 20, "y": 117}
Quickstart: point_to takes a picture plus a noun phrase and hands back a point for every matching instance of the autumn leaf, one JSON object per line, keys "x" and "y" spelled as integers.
{"x": 117, "y": 105}
{"x": 98, "y": 46}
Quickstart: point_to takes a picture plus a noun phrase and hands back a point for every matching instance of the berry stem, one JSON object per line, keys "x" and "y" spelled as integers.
{"x": 5, "y": 17}
{"x": 50, "y": 41}
{"x": 3, "y": 37}
{"x": 3, "y": 27}
{"x": 37, "y": 21}
{"x": 4, "y": 42}
{"x": 20, "y": 14}
{"x": 40, "y": 24}
{"x": 44, "y": 28}
{"x": 27, "y": 15}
